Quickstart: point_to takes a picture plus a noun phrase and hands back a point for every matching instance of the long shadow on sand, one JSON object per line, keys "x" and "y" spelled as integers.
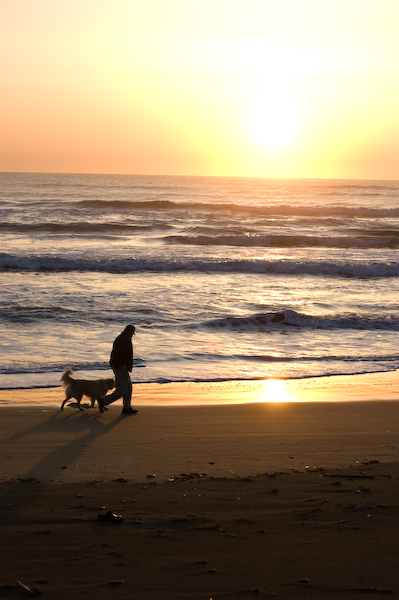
{"x": 84, "y": 427}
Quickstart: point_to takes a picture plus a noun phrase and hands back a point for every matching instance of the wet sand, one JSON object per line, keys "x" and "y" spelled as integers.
{"x": 230, "y": 498}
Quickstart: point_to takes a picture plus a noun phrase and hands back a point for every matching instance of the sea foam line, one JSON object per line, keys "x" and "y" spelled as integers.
{"x": 163, "y": 380}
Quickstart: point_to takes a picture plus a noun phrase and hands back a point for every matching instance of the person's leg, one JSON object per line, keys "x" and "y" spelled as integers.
{"x": 122, "y": 383}
{"x": 127, "y": 396}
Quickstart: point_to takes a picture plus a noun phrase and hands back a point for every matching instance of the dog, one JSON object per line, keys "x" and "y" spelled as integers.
{"x": 77, "y": 388}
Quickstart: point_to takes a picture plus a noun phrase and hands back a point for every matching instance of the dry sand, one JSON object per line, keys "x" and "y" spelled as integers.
{"x": 234, "y": 497}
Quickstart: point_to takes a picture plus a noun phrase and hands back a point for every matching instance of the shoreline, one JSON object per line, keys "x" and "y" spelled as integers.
{"x": 381, "y": 386}
{"x": 246, "y": 421}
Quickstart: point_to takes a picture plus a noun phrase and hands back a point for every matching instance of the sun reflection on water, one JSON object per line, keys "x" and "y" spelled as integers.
{"x": 275, "y": 391}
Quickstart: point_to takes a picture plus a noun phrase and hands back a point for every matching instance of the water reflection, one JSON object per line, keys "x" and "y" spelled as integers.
{"x": 275, "y": 391}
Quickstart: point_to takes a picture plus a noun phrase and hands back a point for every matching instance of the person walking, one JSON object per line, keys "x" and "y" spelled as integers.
{"x": 121, "y": 361}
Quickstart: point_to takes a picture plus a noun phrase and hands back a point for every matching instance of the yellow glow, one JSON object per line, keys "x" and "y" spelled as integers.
{"x": 265, "y": 89}
{"x": 274, "y": 120}
{"x": 275, "y": 391}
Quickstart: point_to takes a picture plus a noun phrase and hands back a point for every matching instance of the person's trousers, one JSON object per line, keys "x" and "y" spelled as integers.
{"x": 123, "y": 389}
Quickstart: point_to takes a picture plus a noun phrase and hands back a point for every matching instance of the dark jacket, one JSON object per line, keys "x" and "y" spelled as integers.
{"x": 122, "y": 352}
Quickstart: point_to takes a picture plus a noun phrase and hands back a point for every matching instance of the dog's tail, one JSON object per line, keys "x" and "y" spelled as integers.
{"x": 66, "y": 376}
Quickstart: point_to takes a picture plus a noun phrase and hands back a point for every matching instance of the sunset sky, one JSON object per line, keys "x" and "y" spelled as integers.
{"x": 264, "y": 88}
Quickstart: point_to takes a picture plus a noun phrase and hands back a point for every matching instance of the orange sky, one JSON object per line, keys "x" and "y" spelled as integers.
{"x": 264, "y": 88}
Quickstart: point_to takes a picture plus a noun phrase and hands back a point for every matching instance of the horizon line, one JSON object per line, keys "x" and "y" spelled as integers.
{"x": 194, "y": 176}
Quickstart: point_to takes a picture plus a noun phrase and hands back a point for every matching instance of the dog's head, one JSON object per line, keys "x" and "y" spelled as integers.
{"x": 110, "y": 383}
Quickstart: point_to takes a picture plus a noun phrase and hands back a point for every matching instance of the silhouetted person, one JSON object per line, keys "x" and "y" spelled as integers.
{"x": 121, "y": 362}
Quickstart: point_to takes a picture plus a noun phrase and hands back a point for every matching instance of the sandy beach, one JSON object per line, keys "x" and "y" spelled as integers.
{"x": 254, "y": 490}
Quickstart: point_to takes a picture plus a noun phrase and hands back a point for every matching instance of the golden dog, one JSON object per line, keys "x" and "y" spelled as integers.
{"x": 77, "y": 388}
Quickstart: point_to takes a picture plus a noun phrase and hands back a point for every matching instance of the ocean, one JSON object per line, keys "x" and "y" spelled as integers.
{"x": 224, "y": 278}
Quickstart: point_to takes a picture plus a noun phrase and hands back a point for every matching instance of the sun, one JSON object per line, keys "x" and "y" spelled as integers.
{"x": 274, "y": 121}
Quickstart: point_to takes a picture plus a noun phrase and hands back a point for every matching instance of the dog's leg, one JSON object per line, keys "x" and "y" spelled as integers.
{"x": 104, "y": 407}
{"x": 79, "y": 398}
{"x": 65, "y": 401}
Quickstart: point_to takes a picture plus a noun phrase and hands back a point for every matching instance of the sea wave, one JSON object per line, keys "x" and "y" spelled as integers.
{"x": 391, "y": 241}
{"x": 53, "y": 263}
{"x": 194, "y": 236}
{"x": 86, "y": 228}
{"x": 269, "y": 209}
{"x": 28, "y": 314}
{"x": 290, "y": 319}
{"x": 284, "y": 320}
{"x": 60, "y": 368}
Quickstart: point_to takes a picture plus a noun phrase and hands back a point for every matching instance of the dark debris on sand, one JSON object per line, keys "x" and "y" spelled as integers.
{"x": 312, "y": 534}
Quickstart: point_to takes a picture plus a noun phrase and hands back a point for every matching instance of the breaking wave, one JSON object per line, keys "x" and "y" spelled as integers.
{"x": 53, "y": 263}
{"x": 267, "y": 210}
{"x": 290, "y": 319}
